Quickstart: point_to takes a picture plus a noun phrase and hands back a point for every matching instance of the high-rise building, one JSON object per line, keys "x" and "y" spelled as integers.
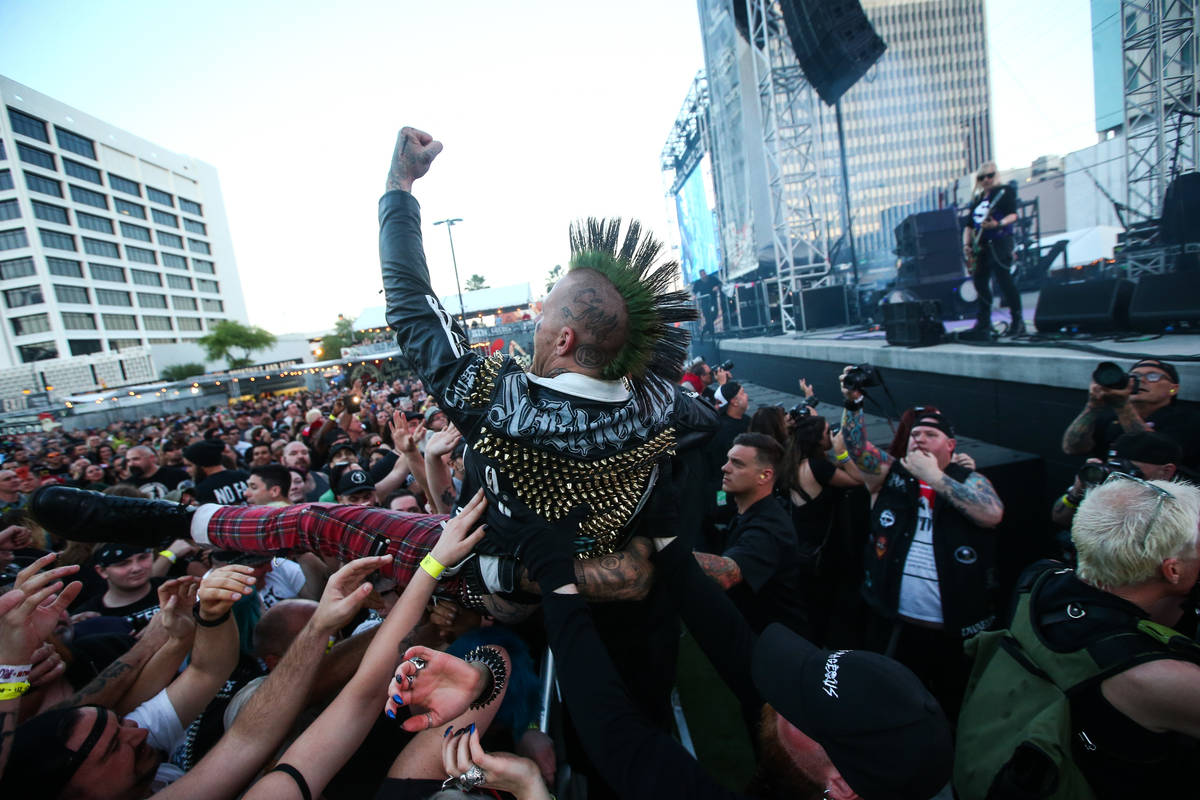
{"x": 918, "y": 119}
{"x": 107, "y": 241}
{"x": 1107, "y": 82}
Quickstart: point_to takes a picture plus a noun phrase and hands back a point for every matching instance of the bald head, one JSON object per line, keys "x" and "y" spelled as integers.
{"x": 279, "y": 627}
{"x": 584, "y": 325}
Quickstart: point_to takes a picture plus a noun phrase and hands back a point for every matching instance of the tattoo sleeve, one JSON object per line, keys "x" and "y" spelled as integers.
{"x": 724, "y": 571}
{"x": 974, "y": 497}
{"x": 1077, "y": 438}
{"x": 624, "y": 575}
{"x": 865, "y": 454}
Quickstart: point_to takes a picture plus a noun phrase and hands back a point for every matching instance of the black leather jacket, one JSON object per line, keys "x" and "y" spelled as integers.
{"x": 540, "y": 447}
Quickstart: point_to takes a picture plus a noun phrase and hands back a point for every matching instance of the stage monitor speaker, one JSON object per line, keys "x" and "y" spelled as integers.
{"x": 824, "y": 307}
{"x": 916, "y": 324}
{"x": 1181, "y": 209}
{"x": 1165, "y": 301}
{"x": 833, "y": 41}
{"x": 1092, "y": 306}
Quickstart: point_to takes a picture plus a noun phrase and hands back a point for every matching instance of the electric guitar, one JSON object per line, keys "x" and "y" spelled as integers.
{"x": 976, "y": 245}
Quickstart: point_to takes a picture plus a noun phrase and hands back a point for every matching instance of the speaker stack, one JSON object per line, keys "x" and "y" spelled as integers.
{"x": 833, "y": 41}
{"x": 917, "y": 324}
{"x": 1096, "y": 306}
{"x": 1168, "y": 302}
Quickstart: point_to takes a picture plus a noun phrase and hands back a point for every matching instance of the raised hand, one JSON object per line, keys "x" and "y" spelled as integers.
{"x": 443, "y": 442}
{"x": 965, "y": 460}
{"x": 460, "y": 535}
{"x": 25, "y": 626}
{"x": 519, "y": 776}
{"x": 445, "y": 688}
{"x": 345, "y": 592}
{"x": 415, "y": 151}
{"x": 175, "y": 599}
{"x": 14, "y": 537}
{"x": 922, "y": 465}
{"x": 806, "y": 388}
{"x": 47, "y": 666}
{"x": 223, "y": 587}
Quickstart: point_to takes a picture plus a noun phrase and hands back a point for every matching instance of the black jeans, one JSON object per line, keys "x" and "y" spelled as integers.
{"x": 995, "y": 258}
{"x": 935, "y": 656}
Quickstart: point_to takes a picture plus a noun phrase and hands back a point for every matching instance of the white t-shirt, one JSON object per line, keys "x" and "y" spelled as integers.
{"x": 158, "y": 716}
{"x": 283, "y": 582}
{"x": 920, "y": 595}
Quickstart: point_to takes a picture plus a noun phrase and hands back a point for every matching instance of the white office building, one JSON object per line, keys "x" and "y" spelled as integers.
{"x": 108, "y": 242}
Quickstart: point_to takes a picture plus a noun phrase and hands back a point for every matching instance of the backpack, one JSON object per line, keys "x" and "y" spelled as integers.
{"x": 1015, "y": 735}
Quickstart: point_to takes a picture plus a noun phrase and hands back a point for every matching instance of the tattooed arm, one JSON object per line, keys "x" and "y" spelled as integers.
{"x": 1079, "y": 437}
{"x": 623, "y": 575}
{"x": 974, "y": 497}
{"x": 725, "y": 571}
{"x": 112, "y": 684}
{"x": 872, "y": 464}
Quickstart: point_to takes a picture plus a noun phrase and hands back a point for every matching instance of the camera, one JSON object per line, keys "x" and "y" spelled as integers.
{"x": 1111, "y": 376}
{"x": 799, "y": 412}
{"x": 860, "y": 377}
{"x": 1092, "y": 474}
{"x": 726, "y": 365}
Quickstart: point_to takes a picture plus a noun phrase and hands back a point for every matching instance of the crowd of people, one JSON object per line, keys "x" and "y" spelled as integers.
{"x": 354, "y": 592}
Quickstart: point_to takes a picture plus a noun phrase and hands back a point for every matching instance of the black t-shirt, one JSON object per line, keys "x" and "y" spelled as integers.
{"x": 716, "y": 452}
{"x": 763, "y": 543}
{"x": 1178, "y": 422}
{"x": 227, "y": 487}
{"x": 998, "y": 204}
{"x": 165, "y": 479}
{"x": 98, "y": 605}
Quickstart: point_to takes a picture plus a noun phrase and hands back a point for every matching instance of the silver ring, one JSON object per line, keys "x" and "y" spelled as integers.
{"x": 419, "y": 663}
{"x": 429, "y": 718}
{"x": 472, "y": 777}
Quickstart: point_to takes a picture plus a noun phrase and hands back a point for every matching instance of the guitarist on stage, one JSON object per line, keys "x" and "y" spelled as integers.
{"x": 988, "y": 247}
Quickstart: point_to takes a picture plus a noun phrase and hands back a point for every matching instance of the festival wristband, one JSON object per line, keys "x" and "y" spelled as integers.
{"x": 11, "y": 691}
{"x": 168, "y": 555}
{"x": 843, "y": 456}
{"x": 432, "y": 566}
{"x": 209, "y": 623}
{"x": 18, "y": 673}
{"x": 1066, "y": 501}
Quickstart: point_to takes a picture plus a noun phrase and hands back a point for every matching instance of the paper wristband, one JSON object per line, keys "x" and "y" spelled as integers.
{"x": 434, "y": 567}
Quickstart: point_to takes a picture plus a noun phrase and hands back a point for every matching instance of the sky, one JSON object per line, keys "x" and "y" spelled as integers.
{"x": 549, "y": 111}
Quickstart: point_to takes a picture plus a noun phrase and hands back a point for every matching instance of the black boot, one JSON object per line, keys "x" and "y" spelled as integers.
{"x": 1017, "y": 328}
{"x": 85, "y": 516}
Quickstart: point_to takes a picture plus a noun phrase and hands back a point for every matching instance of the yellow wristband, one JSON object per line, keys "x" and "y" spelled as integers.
{"x": 434, "y": 567}
{"x": 1066, "y": 501}
{"x": 843, "y": 456}
{"x": 168, "y": 555}
{"x": 11, "y": 691}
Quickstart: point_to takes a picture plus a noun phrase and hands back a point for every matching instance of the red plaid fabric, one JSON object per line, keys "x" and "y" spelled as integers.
{"x": 342, "y": 531}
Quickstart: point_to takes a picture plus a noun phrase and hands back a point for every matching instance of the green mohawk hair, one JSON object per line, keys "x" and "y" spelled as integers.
{"x": 655, "y": 345}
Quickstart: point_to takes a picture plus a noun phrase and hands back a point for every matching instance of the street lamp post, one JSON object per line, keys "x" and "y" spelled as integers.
{"x": 449, "y": 223}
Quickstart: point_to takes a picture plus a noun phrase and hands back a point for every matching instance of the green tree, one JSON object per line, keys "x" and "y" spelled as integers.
{"x": 475, "y": 283}
{"x": 553, "y": 276}
{"x": 177, "y": 372}
{"x": 344, "y": 329}
{"x": 331, "y": 346}
{"x": 228, "y": 335}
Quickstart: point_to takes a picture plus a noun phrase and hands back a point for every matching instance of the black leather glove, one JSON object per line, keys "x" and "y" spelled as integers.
{"x": 548, "y": 552}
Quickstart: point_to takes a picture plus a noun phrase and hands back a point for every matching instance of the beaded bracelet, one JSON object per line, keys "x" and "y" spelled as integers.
{"x": 432, "y": 566}
{"x": 490, "y": 657}
{"x": 11, "y": 691}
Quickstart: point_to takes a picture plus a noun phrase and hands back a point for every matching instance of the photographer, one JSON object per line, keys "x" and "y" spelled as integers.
{"x": 1144, "y": 454}
{"x": 1144, "y": 399}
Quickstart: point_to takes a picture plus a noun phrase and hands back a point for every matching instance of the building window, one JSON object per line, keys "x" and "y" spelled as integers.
{"x": 64, "y": 267}
{"x": 82, "y": 171}
{"x": 35, "y": 156}
{"x": 191, "y": 208}
{"x": 199, "y": 247}
{"x": 6, "y": 181}
{"x": 95, "y": 247}
{"x": 9, "y": 209}
{"x": 131, "y": 231}
{"x": 34, "y": 323}
{"x": 42, "y": 351}
{"x": 84, "y": 347}
{"x": 200, "y": 265}
{"x": 57, "y": 241}
{"x": 213, "y": 305}
{"x": 183, "y": 303}
{"x": 147, "y": 300}
{"x": 104, "y": 272}
{"x": 162, "y": 198}
{"x": 129, "y": 209}
{"x": 121, "y": 344}
{"x": 140, "y": 255}
{"x": 124, "y": 185}
{"x": 25, "y": 296}
{"x": 49, "y": 213}
{"x": 16, "y": 268}
{"x": 75, "y": 143}
{"x": 89, "y": 198}
{"x": 144, "y": 278}
{"x": 208, "y": 286}
{"x": 173, "y": 261}
{"x": 163, "y": 340}
{"x": 163, "y": 218}
{"x": 78, "y": 321}
{"x": 12, "y": 239}
{"x": 120, "y": 322}
{"x": 189, "y": 324}
{"x": 36, "y": 183}
{"x": 157, "y": 323}
{"x": 71, "y": 294}
{"x": 3, "y": 155}
{"x": 111, "y": 297}
{"x": 195, "y": 227}
{"x": 170, "y": 240}
{"x": 94, "y": 223}
{"x": 179, "y": 282}
{"x": 29, "y": 126}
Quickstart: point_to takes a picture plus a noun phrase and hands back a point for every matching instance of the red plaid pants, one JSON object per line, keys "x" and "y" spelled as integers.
{"x": 343, "y": 531}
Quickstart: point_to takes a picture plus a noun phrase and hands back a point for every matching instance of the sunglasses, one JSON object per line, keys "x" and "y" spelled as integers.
{"x": 1153, "y": 377}
{"x": 1163, "y": 496}
{"x": 987, "y": 175}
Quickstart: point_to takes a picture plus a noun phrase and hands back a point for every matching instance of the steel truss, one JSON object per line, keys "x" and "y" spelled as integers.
{"x": 1159, "y": 47}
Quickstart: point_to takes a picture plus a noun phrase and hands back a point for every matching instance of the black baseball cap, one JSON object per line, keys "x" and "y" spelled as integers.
{"x": 1149, "y": 447}
{"x": 353, "y": 480}
{"x": 340, "y": 445}
{"x": 934, "y": 419}
{"x": 40, "y": 764}
{"x": 114, "y": 553}
{"x": 880, "y": 726}
{"x": 1169, "y": 369}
